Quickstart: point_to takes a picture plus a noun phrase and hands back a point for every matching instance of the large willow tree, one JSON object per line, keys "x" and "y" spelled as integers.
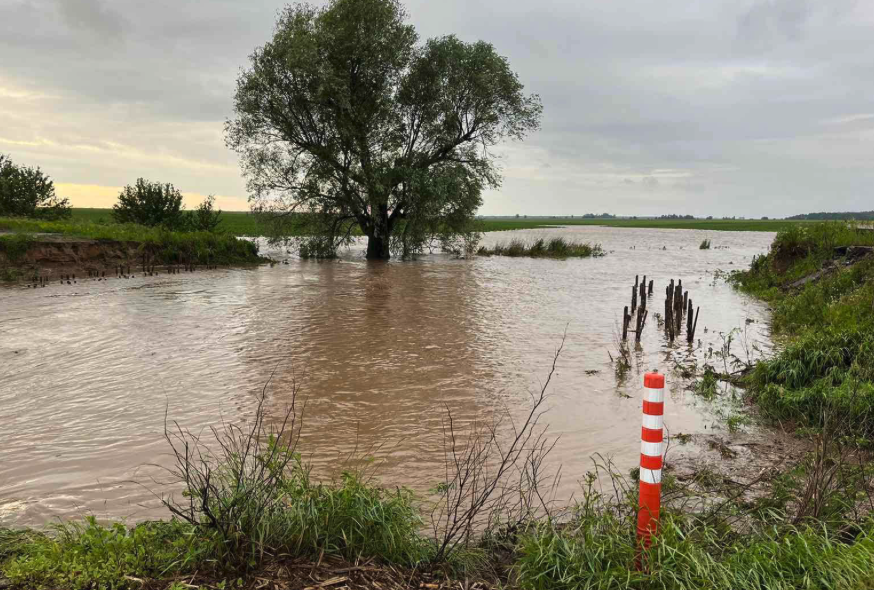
{"x": 343, "y": 120}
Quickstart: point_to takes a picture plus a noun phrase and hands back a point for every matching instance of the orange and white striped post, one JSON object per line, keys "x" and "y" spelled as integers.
{"x": 651, "y": 438}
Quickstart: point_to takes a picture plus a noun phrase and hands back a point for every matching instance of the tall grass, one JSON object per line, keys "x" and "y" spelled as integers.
{"x": 541, "y": 248}
{"x": 594, "y": 551}
{"x": 699, "y": 544}
{"x": 828, "y": 321}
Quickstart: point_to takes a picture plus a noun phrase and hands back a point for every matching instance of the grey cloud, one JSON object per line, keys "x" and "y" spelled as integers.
{"x": 93, "y": 17}
{"x": 752, "y": 100}
{"x": 769, "y": 18}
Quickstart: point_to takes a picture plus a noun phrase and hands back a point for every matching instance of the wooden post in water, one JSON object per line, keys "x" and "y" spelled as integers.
{"x": 634, "y": 298}
{"x": 689, "y": 321}
{"x": 641, "y": 322}
{"x": 691, "y": 335}
{"x": 625, "y": 320}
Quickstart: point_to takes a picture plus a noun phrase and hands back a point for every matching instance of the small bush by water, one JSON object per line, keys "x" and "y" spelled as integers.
{"x": 541, "y": 248}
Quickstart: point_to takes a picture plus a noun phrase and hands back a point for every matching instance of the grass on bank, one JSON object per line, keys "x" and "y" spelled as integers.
{"x": 588, "y": 545}
{"x": 163, "y": 246}
{"x": 251, "y": 503}
{"x": 541, "y": 248}
{"x": 826, "y": 324}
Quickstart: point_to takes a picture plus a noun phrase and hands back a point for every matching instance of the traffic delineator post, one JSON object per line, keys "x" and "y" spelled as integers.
{"x": 651, "y": 437}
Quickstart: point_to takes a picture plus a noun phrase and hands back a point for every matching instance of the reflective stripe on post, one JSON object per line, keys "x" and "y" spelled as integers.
{"x": 651, "y": 458}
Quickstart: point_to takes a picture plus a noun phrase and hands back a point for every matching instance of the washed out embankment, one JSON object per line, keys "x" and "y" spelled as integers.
{"x": 107, "y": 251}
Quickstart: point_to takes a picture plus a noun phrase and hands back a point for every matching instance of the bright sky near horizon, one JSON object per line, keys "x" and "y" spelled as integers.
{"x": 721, "y": 107}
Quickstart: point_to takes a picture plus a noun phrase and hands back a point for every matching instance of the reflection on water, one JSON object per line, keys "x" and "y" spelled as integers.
{"x": 379, "y": 352}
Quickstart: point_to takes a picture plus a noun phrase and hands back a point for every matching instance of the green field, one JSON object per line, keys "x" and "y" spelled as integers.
{"x": 238, "y": 223}
{"x": 243, "y": 223}
{"x": 510, "y": 223}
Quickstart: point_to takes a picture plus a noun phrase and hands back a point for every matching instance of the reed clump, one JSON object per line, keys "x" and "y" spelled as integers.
{"x": 542, "y": 248}
{"x": 705, "y": 245}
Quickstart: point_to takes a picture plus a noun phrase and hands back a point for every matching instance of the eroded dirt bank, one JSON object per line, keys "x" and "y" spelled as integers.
{"x": 48, "y": 256}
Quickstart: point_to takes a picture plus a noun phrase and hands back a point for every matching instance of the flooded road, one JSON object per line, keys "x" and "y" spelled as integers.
{"x": 378, "y": 351}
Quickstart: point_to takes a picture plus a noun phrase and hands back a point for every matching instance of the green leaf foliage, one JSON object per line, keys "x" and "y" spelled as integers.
{"x": 151, "y": 204}
{"x": 28, "y": 192}
{"x": 345, "y": 117}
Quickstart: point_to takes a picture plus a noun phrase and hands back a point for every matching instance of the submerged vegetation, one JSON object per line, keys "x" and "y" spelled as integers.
{"x": 705, "y": 245}
{"x": 541, "y": 248}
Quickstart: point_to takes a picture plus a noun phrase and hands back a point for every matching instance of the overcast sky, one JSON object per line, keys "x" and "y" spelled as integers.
{"x": 707, "y": 107}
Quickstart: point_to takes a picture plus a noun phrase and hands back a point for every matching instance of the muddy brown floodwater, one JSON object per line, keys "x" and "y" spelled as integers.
{"x": 379, "y": 352}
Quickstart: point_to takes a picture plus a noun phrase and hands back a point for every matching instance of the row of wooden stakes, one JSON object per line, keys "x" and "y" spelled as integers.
{"x": 678, "y": 306}
{"x": 639, "y": 294}
{"x": 121, "y": 272}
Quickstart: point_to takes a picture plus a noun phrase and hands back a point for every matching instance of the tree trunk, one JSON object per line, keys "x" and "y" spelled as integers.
{"x": 377, "y": 248}
{"x": 379, "y": 237}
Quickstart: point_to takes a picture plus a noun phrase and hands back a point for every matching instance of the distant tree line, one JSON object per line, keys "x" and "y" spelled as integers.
{"x": 29, "y": 192}
{"x": 831, "y": 216}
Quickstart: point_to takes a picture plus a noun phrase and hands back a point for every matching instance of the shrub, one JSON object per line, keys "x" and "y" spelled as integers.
{"x": 27, "y": 192}
{"x": 150, "y": 203}
{"x": 254, "y": 497}
{"x": 15, "y": 246}
{"x": 206, "y": 217}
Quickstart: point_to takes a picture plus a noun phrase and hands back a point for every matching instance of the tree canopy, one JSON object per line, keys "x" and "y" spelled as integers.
{"x": 343, "y": 120}
{"x": 28, "y": 192}
{"x": 150, "y": 203}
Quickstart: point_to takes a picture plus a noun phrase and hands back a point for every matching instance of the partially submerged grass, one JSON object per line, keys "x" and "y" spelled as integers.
{"x": 705, "y": 245}
{"x": 541, "y": 248}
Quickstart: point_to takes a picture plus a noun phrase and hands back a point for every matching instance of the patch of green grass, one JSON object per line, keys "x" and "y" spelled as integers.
{"x": 15, "y": 246}
{"x": 88, "y": 555}
{"x": 541, "y": 248}
{"x": 236, "y": 223}
{"x": 597, "y": 549}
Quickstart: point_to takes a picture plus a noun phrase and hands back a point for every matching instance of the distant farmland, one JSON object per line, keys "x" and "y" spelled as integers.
{"x": 243, "y": 223}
